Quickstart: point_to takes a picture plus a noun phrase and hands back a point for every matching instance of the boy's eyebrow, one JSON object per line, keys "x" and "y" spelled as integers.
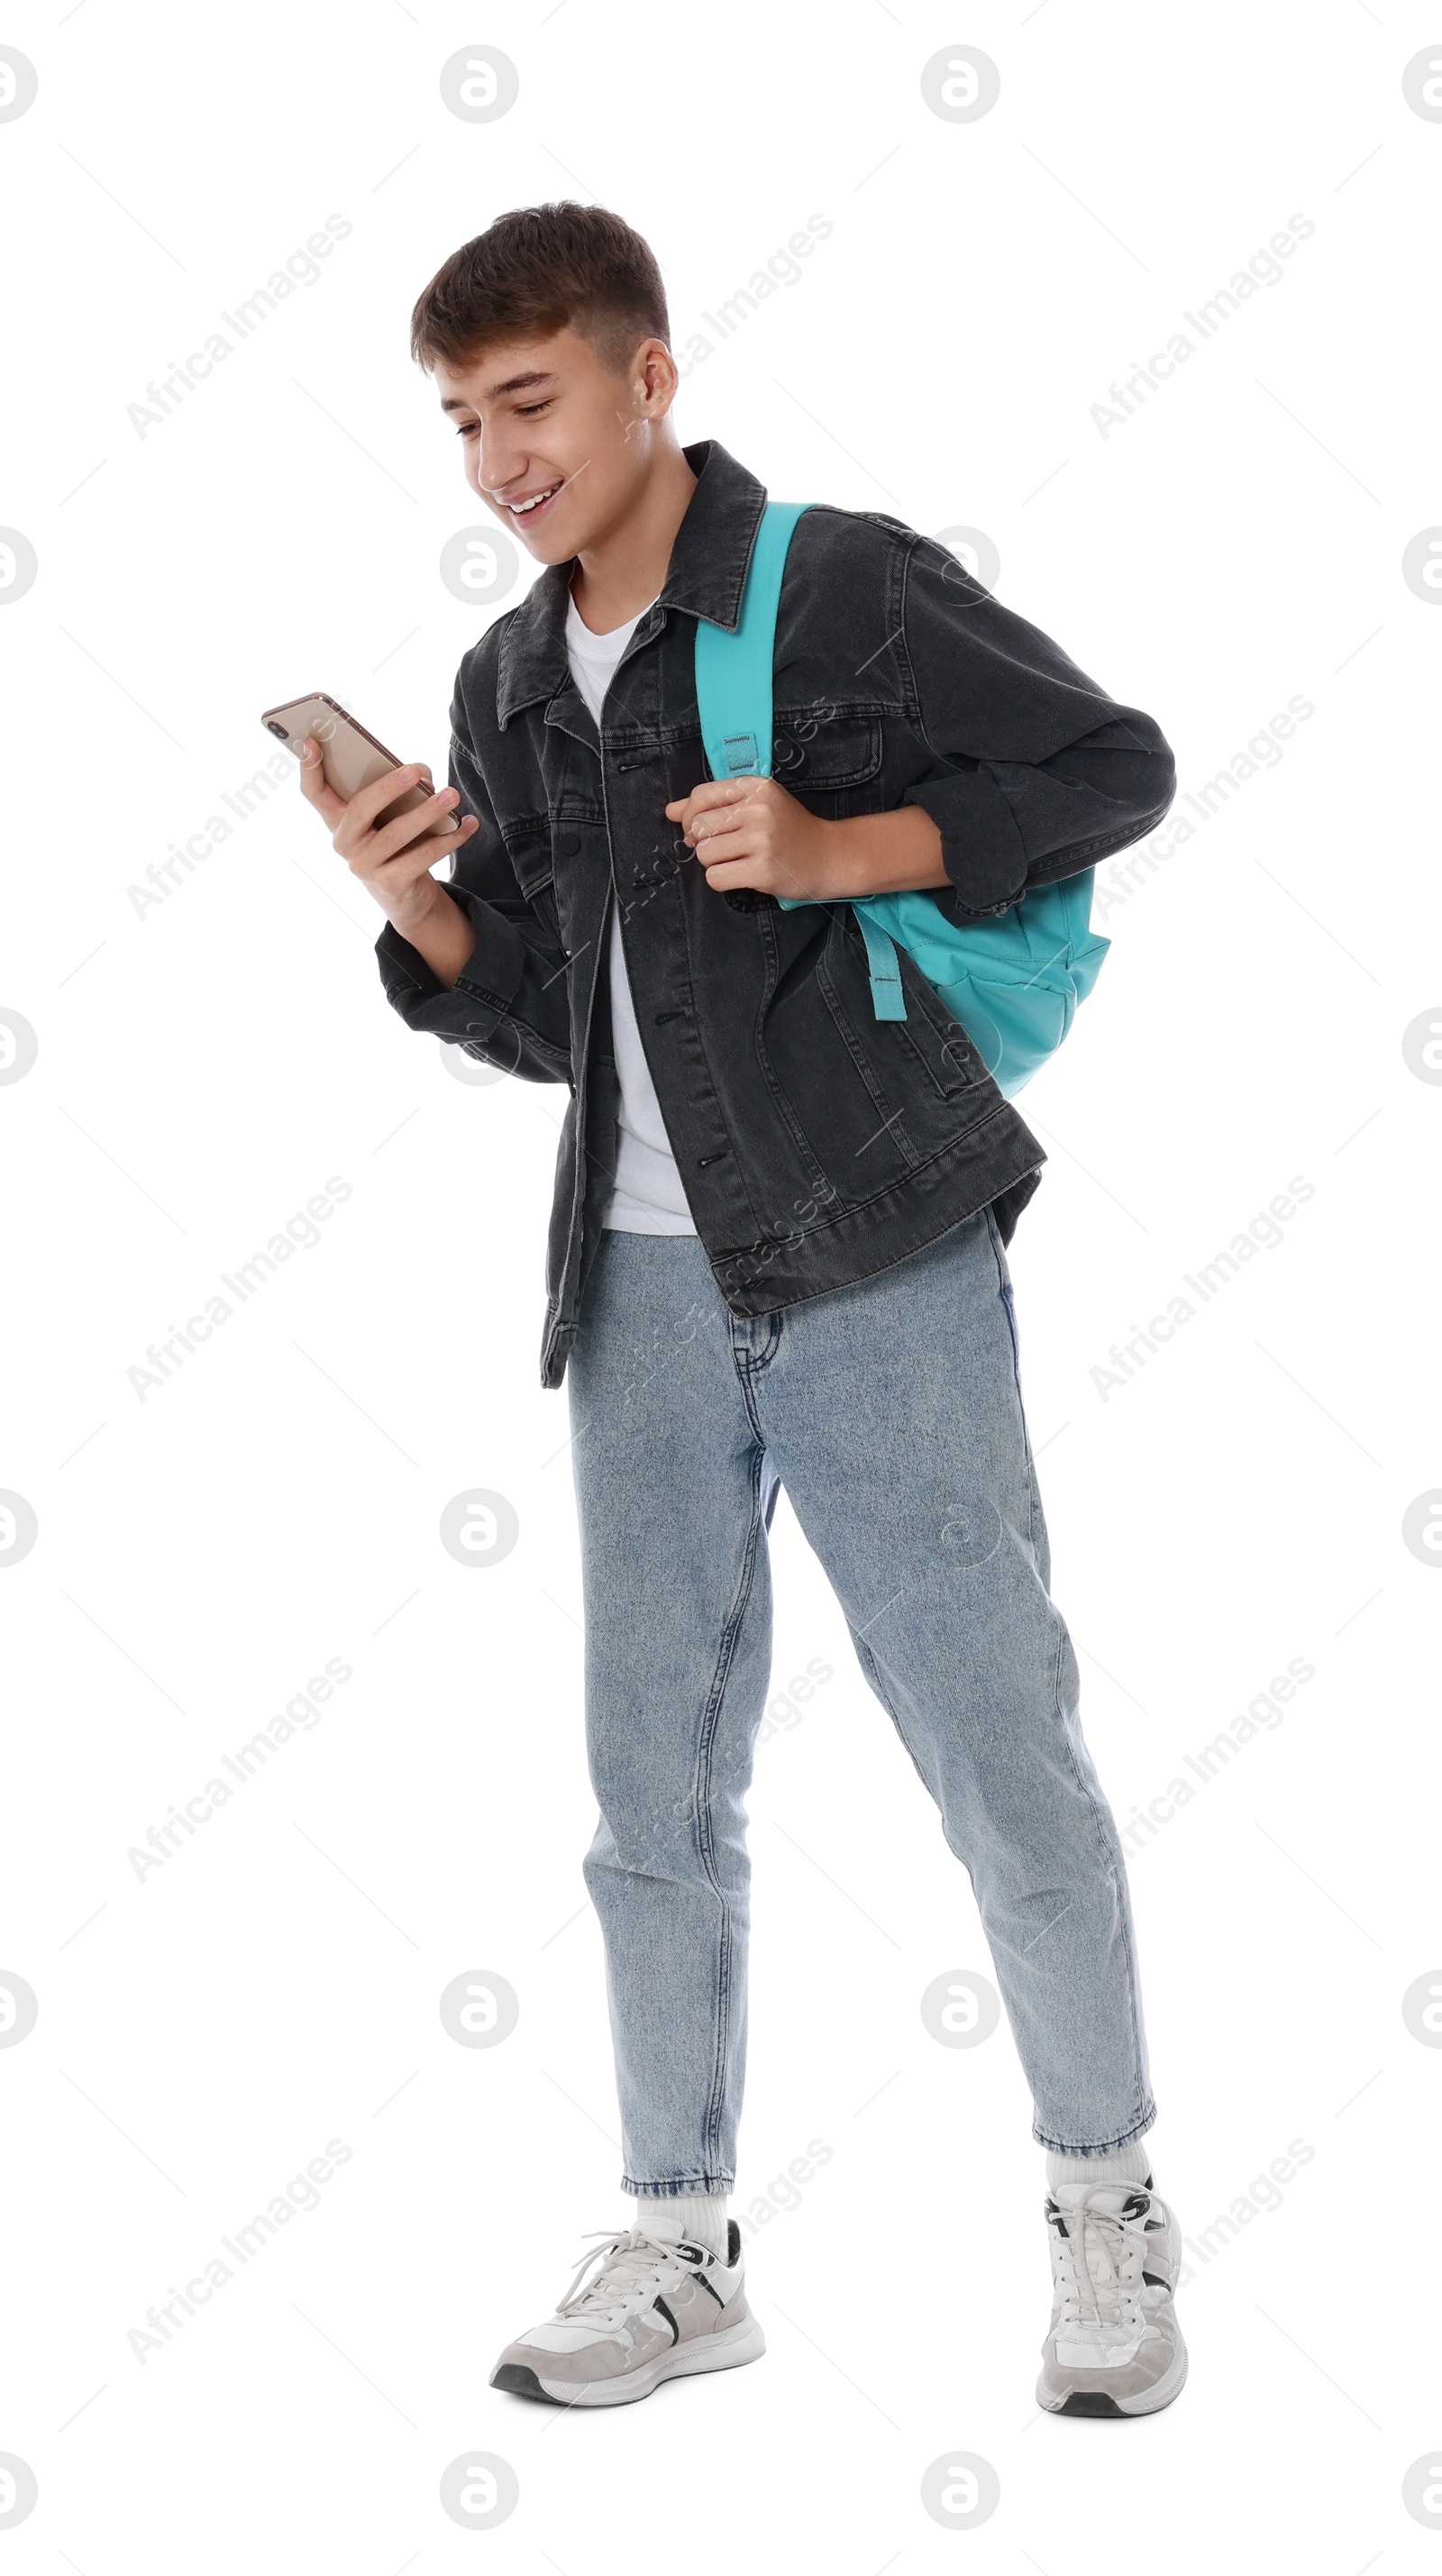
{"x": 512, "y": 385}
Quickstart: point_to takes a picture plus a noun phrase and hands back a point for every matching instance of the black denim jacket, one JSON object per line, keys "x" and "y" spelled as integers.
{"x": 816, "y": 1144}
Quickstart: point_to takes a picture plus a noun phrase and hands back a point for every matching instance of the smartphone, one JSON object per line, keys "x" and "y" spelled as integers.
{"x": 350, "y": 757}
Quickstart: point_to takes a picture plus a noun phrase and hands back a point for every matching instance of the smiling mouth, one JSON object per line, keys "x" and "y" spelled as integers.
{"x": 533, "y": 501}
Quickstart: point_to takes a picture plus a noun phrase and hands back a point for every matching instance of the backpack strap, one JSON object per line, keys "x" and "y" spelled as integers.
{"x": 733, "y": 665}
{"x": 888, "y": 1002}
{"x": 734, "y": 696}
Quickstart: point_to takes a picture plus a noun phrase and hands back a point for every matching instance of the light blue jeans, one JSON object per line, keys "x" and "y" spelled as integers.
{"x": 892, "y": 1414}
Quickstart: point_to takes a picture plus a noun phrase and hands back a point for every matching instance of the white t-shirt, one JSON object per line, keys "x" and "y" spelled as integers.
{"x": 648, "y": 1197}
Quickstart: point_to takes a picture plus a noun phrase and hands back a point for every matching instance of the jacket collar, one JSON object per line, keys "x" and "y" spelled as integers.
{"x": 704, "y": 578}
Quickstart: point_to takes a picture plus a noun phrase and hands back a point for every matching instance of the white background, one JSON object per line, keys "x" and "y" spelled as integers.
{"x": 206, "y": 1065}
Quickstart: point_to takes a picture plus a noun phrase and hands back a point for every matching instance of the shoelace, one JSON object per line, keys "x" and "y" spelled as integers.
{"x": 1096, "y": 2245}
{"x": 623, "y": 2261}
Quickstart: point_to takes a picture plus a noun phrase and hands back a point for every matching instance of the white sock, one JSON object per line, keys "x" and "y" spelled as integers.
{"x": 700, "y": 2217}
{"x": 1124, "y": 2164}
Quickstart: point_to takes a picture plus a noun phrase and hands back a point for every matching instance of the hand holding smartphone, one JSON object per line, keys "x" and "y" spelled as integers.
{"x": 351, "y": 758}
{"x": 387, "y": 823}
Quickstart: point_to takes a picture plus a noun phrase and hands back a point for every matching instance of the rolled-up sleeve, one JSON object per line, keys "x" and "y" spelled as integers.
{"x": 510, "y": 1004}
{"x": 1035, "y": 773}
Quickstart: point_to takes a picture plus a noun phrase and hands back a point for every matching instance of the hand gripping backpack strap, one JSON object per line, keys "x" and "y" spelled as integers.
{"x": 734, "y": 697}
{"x": 1012, "y": 983}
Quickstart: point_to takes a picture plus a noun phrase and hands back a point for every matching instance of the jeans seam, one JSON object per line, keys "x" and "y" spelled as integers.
{"x": 1146, "y": 2112}
{"x": 1119, "y": 1886}
{"x": 1145, "y": 2120}
{"x": 676, "y": 2187}
{"x": 701, "y": 1791}
{"x": 1034, "y": 1501}
{"x": 1004, "y": 1292}
{"x": 867, "y": 1659}
{"x": 748, "y": 1365}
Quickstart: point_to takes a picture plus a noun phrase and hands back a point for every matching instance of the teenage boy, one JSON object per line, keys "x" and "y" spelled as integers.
{"x": 776, "y": 1250}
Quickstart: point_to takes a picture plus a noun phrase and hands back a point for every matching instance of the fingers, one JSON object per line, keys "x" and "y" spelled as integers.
{"x": 391, "y": 838}
{"x": 351, "y": 820}
{"x": 370, "y": 801}
{"x": 713, "y": 791}
{"x": 730, "y": 833}
{"x": 728, "y": 829}
{"x": 711, "y": 797}
{"x": 313, "y": 784}
{"x": 740, "y": 870}
{"x": 718, "y": 807}
{"x": 367, "y": 802}
{"x": 750, "y": 832}
{"x": 357, "y": 839}
{"x": 410, "y": 865}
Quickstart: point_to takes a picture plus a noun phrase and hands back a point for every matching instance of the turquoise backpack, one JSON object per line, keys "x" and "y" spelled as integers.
{"x": 1013, "y": 981}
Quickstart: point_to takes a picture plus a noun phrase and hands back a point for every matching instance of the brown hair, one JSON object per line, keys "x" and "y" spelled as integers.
{"x": 535, "y": 271}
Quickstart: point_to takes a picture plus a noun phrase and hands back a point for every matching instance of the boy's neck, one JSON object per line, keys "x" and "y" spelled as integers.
{"x": 623, "y": 572}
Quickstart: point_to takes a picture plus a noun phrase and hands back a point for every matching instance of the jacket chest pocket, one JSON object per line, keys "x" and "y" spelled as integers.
{"x": 562, "y": 869}
{"x": 528, "y": 848}
{"x": 826, "y": 759}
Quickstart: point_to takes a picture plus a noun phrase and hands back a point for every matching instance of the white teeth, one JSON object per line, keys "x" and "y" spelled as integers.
{"x": 518, "y": 509}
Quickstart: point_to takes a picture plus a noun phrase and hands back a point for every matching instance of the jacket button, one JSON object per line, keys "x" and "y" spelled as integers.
{"x": 567, "y": 844}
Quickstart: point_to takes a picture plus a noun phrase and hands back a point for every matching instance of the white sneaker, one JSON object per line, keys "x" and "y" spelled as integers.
{"x": 1114, "y": 2347}
{"x": 652, "y": 2310}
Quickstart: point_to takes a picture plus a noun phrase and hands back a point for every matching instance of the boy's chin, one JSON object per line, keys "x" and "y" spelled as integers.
{"x": 551, "y": 540}
{"x": 547, "y": 548}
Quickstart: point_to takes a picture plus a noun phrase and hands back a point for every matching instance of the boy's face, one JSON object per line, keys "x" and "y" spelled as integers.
{"x": 557, "y": 443}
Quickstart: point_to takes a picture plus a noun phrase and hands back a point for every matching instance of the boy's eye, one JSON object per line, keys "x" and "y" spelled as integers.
{"x": 468, "y": 429}
{"x": 528, "y": 411}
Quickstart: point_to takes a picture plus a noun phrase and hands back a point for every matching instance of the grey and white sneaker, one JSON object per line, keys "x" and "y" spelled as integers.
{"x": 1114, "y": 2347}
{"x": 652, "y": 2309}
